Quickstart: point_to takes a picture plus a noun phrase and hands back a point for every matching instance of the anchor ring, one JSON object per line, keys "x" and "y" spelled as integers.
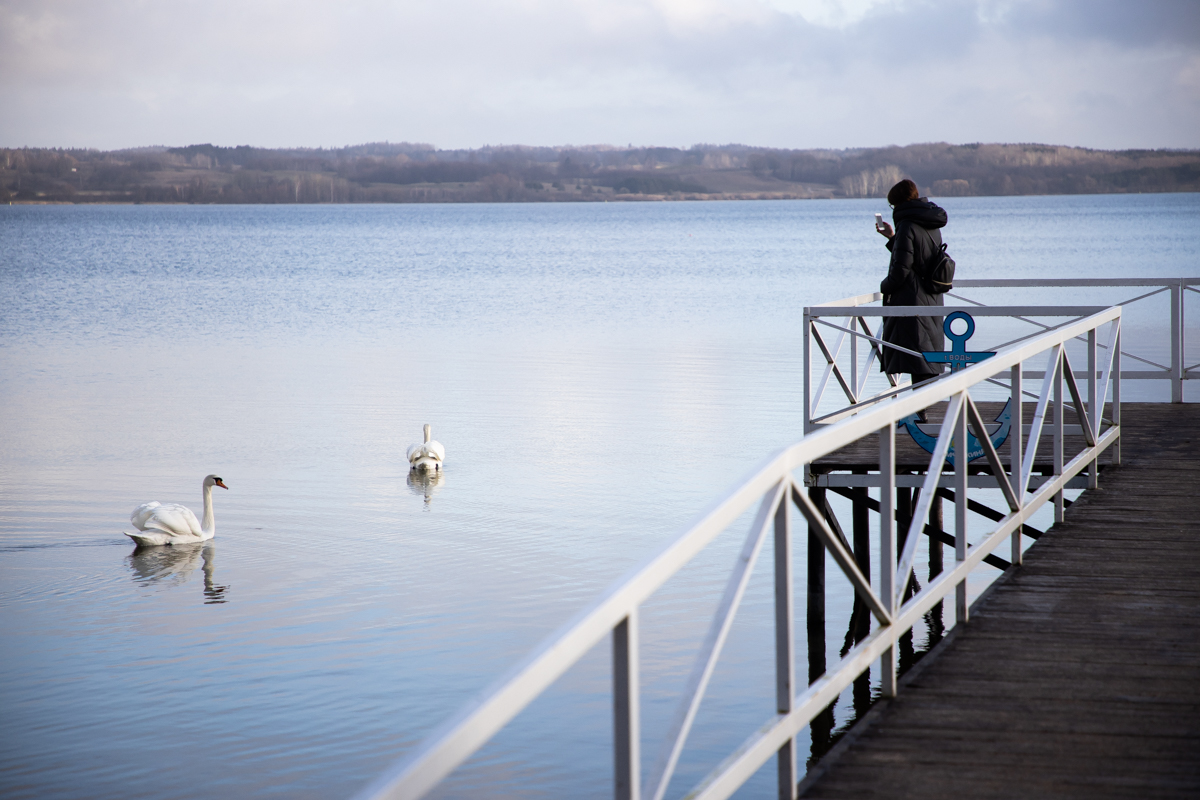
{"x": 959, "y": 337}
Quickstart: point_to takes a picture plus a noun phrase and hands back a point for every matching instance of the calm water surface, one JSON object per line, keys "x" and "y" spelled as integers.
{"x": 598, "y": 374}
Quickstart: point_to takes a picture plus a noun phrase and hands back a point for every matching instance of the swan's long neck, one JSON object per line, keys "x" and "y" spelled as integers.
{"x": 428, "y": 433}
{"x": 209, "y": 523}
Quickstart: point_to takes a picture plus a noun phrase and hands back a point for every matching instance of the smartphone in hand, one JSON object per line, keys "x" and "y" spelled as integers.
{"x": 879, "y": 222}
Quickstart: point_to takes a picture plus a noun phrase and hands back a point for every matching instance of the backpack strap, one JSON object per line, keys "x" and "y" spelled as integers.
{"x": 925, "y": 268}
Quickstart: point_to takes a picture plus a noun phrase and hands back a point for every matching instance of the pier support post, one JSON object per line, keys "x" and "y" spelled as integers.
{"x": 936, "y": 562}
{"x": 904, "y": 515}
{"x": 906, "y": 502}
{"x": 861, "y": 523}
{"x": 821, "y": 726}
{"x": 935, "y": 566}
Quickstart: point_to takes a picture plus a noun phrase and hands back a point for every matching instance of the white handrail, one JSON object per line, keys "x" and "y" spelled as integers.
{"x": 774, "y": 486}
{"x": 1178, "y": 371}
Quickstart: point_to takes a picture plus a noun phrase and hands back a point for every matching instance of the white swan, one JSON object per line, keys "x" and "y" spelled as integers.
{"x": 172, "y": 523}
{"x": 426, "y": 457}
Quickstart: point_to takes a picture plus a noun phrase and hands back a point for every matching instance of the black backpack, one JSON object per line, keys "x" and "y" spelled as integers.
{"x": 937, "y": 276}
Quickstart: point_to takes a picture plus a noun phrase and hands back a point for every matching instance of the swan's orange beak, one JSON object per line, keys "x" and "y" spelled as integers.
{"x": 221, "y": 483}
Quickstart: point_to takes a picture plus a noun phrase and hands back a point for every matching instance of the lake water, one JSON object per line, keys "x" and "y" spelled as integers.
{"x": 598, "y": 374}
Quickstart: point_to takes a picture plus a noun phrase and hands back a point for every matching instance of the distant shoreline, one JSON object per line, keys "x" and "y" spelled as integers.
{"x": 636, "y": 199}
{"x": 416, "y": 173}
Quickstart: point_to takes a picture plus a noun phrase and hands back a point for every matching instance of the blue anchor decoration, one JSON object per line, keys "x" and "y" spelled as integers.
{"x": 927, "y": 441}
{"x": 959, "y": 358}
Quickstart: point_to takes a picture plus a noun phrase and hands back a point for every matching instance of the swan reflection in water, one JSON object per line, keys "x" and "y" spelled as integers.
{"x": 174, "y": 566}
{"x": 426, "y": 483}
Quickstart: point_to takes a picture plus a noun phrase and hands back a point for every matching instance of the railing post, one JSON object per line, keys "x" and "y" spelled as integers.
{"x": 1182, "y": 335}
{"x": 626, "y": 722}
{"x": 1177, "y": 341}
{"x": 854, "y": 357}
{"x": 1093, "y": 413}
{"x": 816, "y": 593}
{"x": 807, "y": 360}
{"x": 785, "y": 650}
{"x": 961, "y": 611}
{"x": 1016, "y": 437}
{"x": 1116, "y": 390}
{"x": 1059, "y": 506}
{"x": 887, "y": 548}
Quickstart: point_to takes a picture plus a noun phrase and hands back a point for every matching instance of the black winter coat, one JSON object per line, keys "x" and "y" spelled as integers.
{"x": 917, "y": 238}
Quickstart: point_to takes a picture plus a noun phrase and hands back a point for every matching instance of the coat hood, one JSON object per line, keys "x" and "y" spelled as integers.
{"x": 920, "y": 212}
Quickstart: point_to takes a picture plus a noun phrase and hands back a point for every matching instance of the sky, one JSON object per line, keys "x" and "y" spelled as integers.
{"x": 112, "y": 74}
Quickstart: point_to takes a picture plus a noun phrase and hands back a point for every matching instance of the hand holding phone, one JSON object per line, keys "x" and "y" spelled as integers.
{"x": 883, "y": 228}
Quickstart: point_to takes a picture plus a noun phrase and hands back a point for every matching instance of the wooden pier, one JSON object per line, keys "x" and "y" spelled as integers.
{"x": 1078, "y": 674}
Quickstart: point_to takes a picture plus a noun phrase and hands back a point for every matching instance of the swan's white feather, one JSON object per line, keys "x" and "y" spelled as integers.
{"x": 427, "y": 450}
{"x": 174, "y": 520}
{"x": 149, "y": 538}
{"x": 143, "y": 513}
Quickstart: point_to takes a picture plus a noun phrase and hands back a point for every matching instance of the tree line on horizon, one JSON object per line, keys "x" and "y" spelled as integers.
{"x": 403, "y": 172}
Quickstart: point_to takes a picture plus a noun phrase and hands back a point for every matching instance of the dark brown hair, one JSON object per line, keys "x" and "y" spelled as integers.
{"x": 902, "y": 192}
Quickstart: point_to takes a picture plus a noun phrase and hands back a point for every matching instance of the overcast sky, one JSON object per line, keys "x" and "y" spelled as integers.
{"x": 465, "y": 73}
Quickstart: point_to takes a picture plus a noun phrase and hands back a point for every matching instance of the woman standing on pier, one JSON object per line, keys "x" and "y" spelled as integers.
{"x": 917, "y": 237}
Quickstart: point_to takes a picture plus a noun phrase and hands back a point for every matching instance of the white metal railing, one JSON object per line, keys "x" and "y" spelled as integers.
{"x": 852, "y": 377}
{"x": 854, "y": 313}
{"x": 1178, "y": 288}
{"x": 774, "y": 486}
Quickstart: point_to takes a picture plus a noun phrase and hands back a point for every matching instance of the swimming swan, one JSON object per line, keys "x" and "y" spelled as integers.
{"x": 426, "y": 457}
{"x": 175, "y": 524}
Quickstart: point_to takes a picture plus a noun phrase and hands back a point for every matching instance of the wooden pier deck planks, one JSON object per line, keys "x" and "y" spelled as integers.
{"x": 864, "y": 453}
{"x": 1078, "y": 675}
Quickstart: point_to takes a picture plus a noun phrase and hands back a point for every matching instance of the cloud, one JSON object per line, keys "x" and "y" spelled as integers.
{"x": 829, "y": 13}
{"x": 798, "y": 73}
{"x": 1146, "y": 23}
